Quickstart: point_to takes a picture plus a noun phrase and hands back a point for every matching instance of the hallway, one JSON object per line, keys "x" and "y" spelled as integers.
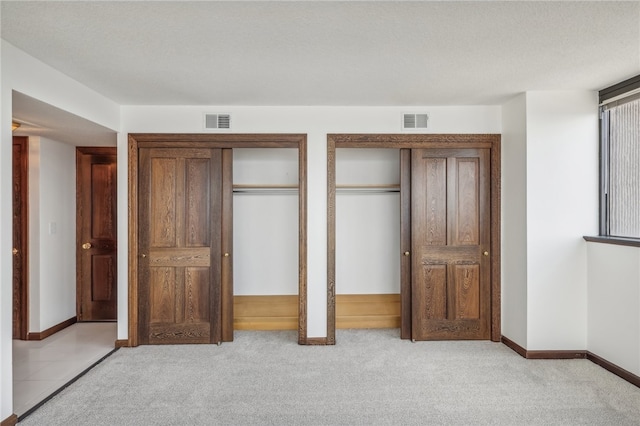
{"x": 40, "y": 368}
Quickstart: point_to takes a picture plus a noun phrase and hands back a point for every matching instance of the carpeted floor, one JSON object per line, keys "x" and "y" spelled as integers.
{"x": 370, "y": 377}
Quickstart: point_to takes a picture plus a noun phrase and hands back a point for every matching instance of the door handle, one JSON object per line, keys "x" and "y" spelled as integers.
{"x": 14, "y": 251}
{"x": 86, "y": 246}
{"x": 406, "y": 253}
{"x": 486, "y": 253}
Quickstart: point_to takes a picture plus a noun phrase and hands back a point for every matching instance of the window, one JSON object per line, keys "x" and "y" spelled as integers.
{"x": 620, "y": 160}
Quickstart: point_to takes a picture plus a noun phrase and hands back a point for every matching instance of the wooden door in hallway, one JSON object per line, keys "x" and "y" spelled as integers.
{"x": 96, "y": 235}
{"x": 181, "y": 264}
{"x": 20, "y": 236}
{"x": 450, "y": 244}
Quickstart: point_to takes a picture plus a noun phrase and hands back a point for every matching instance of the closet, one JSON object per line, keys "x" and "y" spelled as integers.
{"x": 265, "y": 238}
{"x": 217, "y": 236}
{"x": 367, "y": 238}
{"x": 440, "y": 250}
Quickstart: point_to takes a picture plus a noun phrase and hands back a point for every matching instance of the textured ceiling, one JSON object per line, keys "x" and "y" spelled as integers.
{"x": 328, "y": 53}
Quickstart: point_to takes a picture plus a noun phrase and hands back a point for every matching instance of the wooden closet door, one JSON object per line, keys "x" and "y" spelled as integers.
{"x": 180, "y": 239}
{"x": 450, "y": 233}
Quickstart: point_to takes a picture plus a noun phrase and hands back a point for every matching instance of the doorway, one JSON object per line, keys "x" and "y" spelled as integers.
{"x": 217, "y": 285}
{"x": 367, "y": 238}
{"x": 411, "y": 281}
{"x": 20, "y": 236}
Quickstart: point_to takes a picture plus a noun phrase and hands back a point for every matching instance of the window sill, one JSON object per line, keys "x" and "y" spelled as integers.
{"x": 620, "y": 241}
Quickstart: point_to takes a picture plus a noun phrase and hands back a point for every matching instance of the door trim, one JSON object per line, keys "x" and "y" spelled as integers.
{"x": 141, "y": 140}
{"x": 405, "y": 142}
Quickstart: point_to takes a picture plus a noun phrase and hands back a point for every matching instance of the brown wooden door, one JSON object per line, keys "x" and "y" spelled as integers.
{"x": 20, "y": 230}
{"x": 180, "y": 241}
{"x": 96, "y": 235}
{"x": 450, "y": 240}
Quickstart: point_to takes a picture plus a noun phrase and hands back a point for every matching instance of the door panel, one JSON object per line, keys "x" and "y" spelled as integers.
{"x": 96, "y": 216}
{"x": 180, "y": 238}
{"x": 450, "y": 231}
{"x": 435, "y": 211}
{"x": 102, "y": 268}
{"x": 467, "y": 291}
{"x": 434, "y": 291}
{"x": 463, "y": 202}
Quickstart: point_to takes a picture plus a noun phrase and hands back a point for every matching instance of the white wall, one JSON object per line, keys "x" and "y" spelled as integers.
{"x": 6, "y": 264}
{"x": 614, "y": 304}
{"x": 562, "y": 207}
{"x": 23, "y": 73}
{"x": 265, "y": 243}
{"x": 52, "y": 250}
{"x": 265, "y": 222}
{"x": 316, "y": 122}
{"x": 514, "y": 220}
{"x": 549, "y": 202}
{"x": 367, "y": 243}
{"x": 367, "y": 222}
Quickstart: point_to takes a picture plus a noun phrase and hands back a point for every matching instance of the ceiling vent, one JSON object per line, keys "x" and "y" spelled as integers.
{"x": 217, "y": 121}
{"x": 414, "y": 121}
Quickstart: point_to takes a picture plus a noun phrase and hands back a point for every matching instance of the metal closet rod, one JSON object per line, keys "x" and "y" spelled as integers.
{"x": 264, "y": 189}
{"x": 368, "y": 188}
{"x": 293, "y": 189}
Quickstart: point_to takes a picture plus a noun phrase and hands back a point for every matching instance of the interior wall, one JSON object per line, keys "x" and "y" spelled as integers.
{"x": 25, "y": 74}
{"x": 265, "y": 241}
{"x": 6, "y": 243}
{"x": 562, "y": 207}
{"x": 316, "y": 122}
{"x": 265, "y": 222}
{"x": 367, "y": 243}
{"x": 52, "y": 227}
{"x": 54, "y": 288}
{"x": 367, "y": 221}
{"x": 614, "y": 304}
{"x": 514, "y": 220}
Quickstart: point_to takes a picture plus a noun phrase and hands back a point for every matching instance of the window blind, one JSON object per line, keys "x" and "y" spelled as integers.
{"x": 624, "y": 167}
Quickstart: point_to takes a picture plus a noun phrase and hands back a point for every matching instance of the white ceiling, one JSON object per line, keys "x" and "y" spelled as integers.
{"x": 328, "y": 53}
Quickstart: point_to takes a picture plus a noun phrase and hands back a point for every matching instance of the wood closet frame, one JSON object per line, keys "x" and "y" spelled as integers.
{"x": 404, "y": 143}
{"x": 140, "y": 140}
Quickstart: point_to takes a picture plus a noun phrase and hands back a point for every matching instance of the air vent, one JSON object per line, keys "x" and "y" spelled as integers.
{"x": 217, "y": 121}
{"x": 414, "y": 121}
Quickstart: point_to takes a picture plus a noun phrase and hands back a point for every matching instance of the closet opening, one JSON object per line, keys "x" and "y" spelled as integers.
{"x": 367, "y": 238}
{"x": 213, "y": 224}
{"x": 447, "y": 260}
{"x": 265, "y": 239}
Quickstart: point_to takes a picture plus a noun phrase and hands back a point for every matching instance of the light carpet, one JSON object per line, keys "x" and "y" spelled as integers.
{"x": 370, "y": 377}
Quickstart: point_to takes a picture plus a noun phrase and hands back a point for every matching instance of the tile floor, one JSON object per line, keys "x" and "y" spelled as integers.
{"x": 42, "y": 367}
